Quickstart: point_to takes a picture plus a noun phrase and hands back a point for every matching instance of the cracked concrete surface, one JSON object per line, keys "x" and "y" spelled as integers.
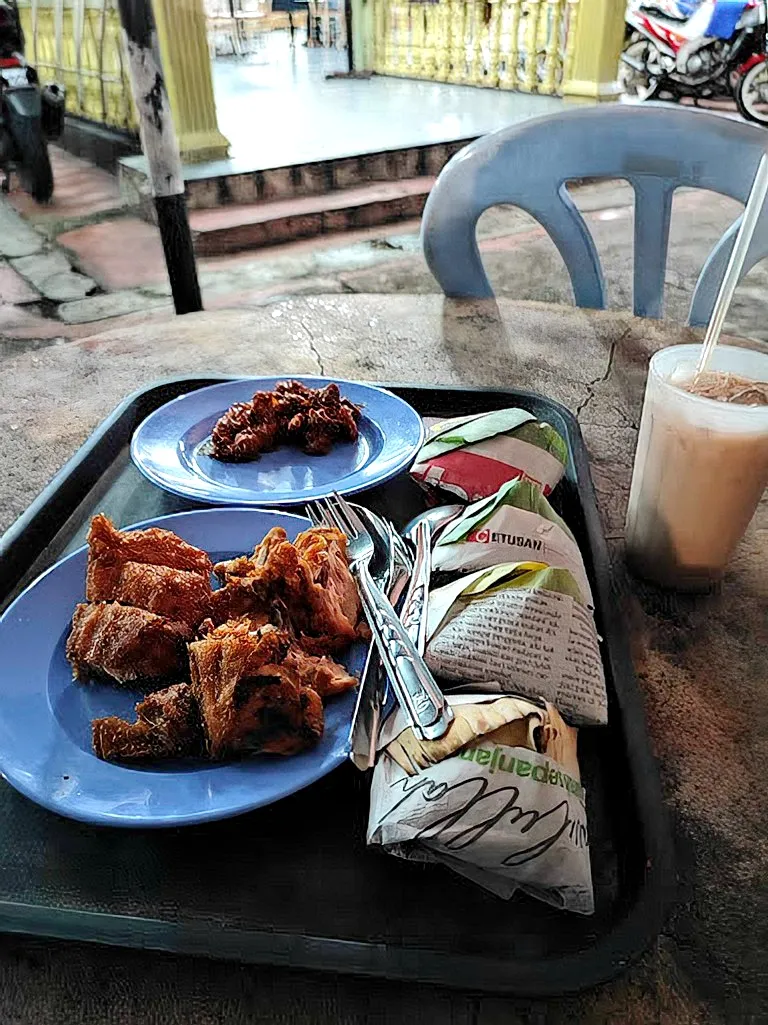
{"x": 599, "y": 380}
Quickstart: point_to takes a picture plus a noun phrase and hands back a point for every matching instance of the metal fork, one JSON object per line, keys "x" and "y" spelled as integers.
{"x": 413, "y": 683}
{"x": 372, "y": 690}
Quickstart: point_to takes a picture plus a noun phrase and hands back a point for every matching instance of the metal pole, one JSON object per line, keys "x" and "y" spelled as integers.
{"x": 348, "y": 21}
{"x": 161, "y": 149}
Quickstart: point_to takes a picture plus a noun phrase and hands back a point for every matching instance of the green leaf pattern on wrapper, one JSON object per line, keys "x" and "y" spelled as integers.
{"x": 518, "y": 493}
{"x": 520, "y": 628}
{"x": 519, "y": 423}
{"x": 447, "y": 602}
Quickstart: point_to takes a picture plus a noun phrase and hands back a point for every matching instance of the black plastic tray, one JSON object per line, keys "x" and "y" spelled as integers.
{"x": 294, "y": 884}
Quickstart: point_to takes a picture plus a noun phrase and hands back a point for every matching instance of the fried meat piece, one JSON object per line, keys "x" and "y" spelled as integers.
{"x": 246, "y": 430}
{"x": 125, "y": 644}
{"x": 312, "y": 418}
{"x": 238, "y": 599}
{"x": 177, "y": 594}
{"x": 326, "y": 677}
{"x": 256, "y": 567}
{"x": 325, "y": 417}
{"x": 311, "y": 578}
{"x": 249, "y": 701}
{"x": 110, "y": 549}
{"x": 251, "y": 583}
{"x": 167, "y": 725}
{"x": 330, "y": 591}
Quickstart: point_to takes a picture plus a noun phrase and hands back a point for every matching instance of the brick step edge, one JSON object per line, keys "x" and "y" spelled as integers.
{"x": 314, "y": 178}
{"x": 290, "y": 227}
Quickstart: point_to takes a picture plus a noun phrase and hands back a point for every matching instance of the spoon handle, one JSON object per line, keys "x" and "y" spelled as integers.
{"x": 414, "y": 614}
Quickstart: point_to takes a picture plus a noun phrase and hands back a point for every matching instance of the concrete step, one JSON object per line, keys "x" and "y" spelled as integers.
{"x": 227, "y": 183}
{"x": 228, "y": 229}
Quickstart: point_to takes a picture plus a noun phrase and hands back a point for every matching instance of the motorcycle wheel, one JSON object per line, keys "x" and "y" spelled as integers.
{"x": 638, "y": 85}
{"x": 34, "y": 164}
{"x": 751, "y": 93}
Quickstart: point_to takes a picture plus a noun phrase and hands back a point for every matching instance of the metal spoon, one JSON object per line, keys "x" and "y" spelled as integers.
{"x": 437, "y": 519}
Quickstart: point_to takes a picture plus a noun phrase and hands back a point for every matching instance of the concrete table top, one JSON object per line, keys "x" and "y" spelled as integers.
{"x": 702, "y": 662}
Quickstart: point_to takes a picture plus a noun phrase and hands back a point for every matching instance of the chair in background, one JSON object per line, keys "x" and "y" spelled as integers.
{"x": 223, "y": 33}
{"x": 237, "y": 27}
{"x": 656, "y": 148}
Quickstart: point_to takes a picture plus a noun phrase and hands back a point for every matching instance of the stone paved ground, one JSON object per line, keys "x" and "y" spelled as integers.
{"x": 86, "y": 258}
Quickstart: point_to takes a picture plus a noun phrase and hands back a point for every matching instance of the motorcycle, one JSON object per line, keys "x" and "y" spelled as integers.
{"x": 30, "y": 116}
{"x": 706, "y": 50}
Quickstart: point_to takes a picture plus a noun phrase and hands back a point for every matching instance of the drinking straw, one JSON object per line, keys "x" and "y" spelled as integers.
{"x": 744, "y": 235}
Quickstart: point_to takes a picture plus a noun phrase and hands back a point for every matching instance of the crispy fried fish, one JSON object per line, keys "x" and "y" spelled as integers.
{"x": 126, "y": 644}
{"x": 110, "y": 549}
{"x": 167, "y": 725}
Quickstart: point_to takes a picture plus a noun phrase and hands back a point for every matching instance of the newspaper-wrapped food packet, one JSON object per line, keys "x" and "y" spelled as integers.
{"x": 472, "y": 456}
{"x": 522, "y": 628}
{"x": 517, "y": 523}
{"x": 498, "y": 799}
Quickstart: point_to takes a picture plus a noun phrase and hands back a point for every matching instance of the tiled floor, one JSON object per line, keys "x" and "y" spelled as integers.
{"x": 277, "y": 109}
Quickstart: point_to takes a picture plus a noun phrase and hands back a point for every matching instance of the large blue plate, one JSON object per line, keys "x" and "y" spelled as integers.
{"x": 45, "y": 717}
{"x": 169, "y": 448}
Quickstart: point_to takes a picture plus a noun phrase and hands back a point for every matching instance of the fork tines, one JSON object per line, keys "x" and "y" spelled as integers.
{"x": 335, "y": 511}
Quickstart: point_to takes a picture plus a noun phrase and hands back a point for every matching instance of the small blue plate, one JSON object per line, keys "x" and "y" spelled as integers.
{"x": 170, "y": 447}
{"x": 45, "y": 716}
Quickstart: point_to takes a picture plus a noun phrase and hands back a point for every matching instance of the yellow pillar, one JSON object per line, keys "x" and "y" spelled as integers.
{"x": 363, "y": 34}
{"x": 597, "y": 42}
{"x": 183, "y": 41}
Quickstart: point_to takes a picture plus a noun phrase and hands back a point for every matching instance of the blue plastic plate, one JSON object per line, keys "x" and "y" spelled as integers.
{"x": 45, "y": 716}
{"x": 170, "y": 446}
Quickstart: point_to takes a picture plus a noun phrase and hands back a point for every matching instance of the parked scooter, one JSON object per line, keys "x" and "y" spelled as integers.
{"x": 704, "y": 50}
{"x": 29, "y": 115}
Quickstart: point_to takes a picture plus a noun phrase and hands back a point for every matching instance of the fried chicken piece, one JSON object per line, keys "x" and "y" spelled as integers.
{"x": 125, "y": 644}
{"x": 110, "y": 549}
{"x": 326, "y": 677}
{"x": 168, "y": 725}
{"x": 311, "y": 577}
{"x": 249, "y": 701}
{"x": 324, "y": 550}
{"x": 177, "y": 594}
{"x": 256, "y": 566}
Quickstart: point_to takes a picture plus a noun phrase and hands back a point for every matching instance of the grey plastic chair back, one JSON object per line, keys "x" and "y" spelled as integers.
{"x": 655, "y": 147}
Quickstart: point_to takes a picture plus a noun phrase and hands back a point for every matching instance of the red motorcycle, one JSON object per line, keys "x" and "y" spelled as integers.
{"x": 706, "y": 50}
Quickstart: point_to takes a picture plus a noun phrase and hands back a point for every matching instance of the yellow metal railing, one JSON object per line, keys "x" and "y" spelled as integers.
{"x": 501, "y": 44}
{"x": 78, "y": 44}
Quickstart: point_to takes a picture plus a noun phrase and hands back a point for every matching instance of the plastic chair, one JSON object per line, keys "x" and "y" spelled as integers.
{"x": 655, "y": 147}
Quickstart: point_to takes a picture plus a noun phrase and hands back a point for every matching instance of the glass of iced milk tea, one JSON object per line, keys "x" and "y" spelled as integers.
{"x": 701, "y": 465}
